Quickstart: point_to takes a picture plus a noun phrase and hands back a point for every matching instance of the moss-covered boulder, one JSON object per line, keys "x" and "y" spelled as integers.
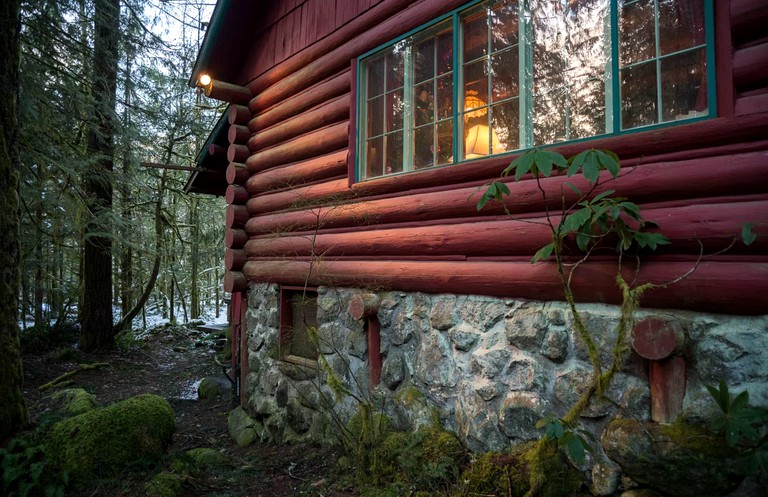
{"x": 213, "y": 386}
{"x": 680, "y": 459}
{"x": 165, "y": 485}
{"x": 205, "y": 457}
{"x": 101, "y": 442}
{"x": 74, "y": 401}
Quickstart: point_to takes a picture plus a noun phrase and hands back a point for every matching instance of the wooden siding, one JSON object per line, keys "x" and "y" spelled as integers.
{"x": 296, "y": 215}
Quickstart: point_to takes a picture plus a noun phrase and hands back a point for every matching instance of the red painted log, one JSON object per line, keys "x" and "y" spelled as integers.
{"x": 297, "y": 173}
{"x": 234, "y": 259}
{"x": 216, "y": 150}
{"x": 753, "y": 104}
{"x": 236, "y": 194}
{"x": 238, "y": 114}
{"x": 655, "y": 338}
{"x": 715, "y": 225}
{"x": 296, "y": 104}
{"x": 662, "y": 181}
{"x": 227, "y": 92}
{"x": 334, "y": 111}
{"x": 237, "y": 174}
{"x": 667, "y": 380}
{"x": 237, "y": 153}
{"x": 238, "y": 133}
{"x": 322, "y": 141}
{"x": 748, "y": 19}
{"x": 334, "y": 189}
{"x": 235, "y": 281}
{"x": 750, "y": 67}
{"x": 234, "y": 238}
{"x": 363, "y": 305}
{"x": 728, "y": 287}
{"x": 236, "y": 216}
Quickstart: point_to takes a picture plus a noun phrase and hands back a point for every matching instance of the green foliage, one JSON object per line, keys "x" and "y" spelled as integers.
{"x": 571, "y": 440}
{"x": 27, "y": 473}
{"x": 747, "y": 236}
{"x": 745, "y": 427}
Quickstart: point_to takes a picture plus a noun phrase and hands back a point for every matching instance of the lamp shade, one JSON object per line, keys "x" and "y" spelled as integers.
{"x": 477, "y": 141}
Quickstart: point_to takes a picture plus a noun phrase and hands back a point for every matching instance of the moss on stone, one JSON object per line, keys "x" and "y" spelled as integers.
{"x": 205, "y": 457}
{"x": 101, "y": 442}
{"x": 165, "y": 485}
{"x": 74, "y": 401}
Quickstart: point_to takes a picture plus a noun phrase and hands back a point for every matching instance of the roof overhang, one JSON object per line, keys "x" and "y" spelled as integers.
{"x": 212, "y": 181}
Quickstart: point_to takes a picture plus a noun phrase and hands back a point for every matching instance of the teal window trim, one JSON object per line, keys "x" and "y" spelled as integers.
{"x": 613, "y": 106}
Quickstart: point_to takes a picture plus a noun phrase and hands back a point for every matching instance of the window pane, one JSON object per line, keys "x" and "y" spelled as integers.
{"x": 549, "y": 121}
{"x": 445, "y": 52}
{"x": 394, "y": 153}
{"x": 638, "y": 95}
{"x": 477, "y": 134}
{"x": 395, "y": 71}
{"x": 423, "y": 146}
{"x": 395, "y": 110}
{"x": 445, "y": 97}
{"x": 424, "y": 103}
{"x": 374, "y": 155}
{"x": 503, "y": 23}
{"x": 637, "y": 31}
{"x": 475, "y": 36}
{"x": 375, "y": 77}
{"x": 375, "y": 116}
{"x": 681, "y": 25}
{"x": 445, "y": 142}
{"x": 505, "y": 133}
{"x": 504, "y": 75}
{"x": 424, "y": 60}
{"x": 683, "y": 85}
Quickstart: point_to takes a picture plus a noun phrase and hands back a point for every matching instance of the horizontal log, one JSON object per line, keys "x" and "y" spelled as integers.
{"x": 236, "y": 216}
{"x": 322, "y": 141}
{"x": 753, "y": 104}
{"x": 334, "y": 111}
{"x": 238, "y": 133}
{"x": 236, "y": 194}
{"x": 227, "y": 92}
{"x": 237, "y": 152}
{"x": 237, "y": 174}
{"x": 750, "y": 67}
{"x": 333, "y": 189}
{"x": 235, "y": 238}
{"x": 748, "y": 19}
{"x": 234, "y": 281}
{"x": 726, "y": 287}
{"x": 234, "y": 259}
{"x": 238, "y": 114}
{"x": 296, "y": 104}
{"x": 646, "y": 183}
{"x": 217, "y": 150}
{"x": 715, "y": 225}
{"x": 363, "y": 305}
{"x": 297, "y": 173}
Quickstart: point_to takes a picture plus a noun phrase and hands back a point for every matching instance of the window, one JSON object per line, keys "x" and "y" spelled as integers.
{"x": 298, "y": 313}
{"x": 500, "y": 76}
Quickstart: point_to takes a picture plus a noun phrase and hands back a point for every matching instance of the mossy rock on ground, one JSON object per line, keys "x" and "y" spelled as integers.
{"x": 102, "y": 442}
{"x": 165, "y": 485}
{"x": 213, "y": 386}
{"x": 74, "y": 401}
{"x": 205, "y": 457}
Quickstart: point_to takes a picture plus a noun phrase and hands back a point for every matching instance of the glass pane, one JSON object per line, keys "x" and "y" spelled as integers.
{"x": 503, "y": 23}
{"x": 476, "y": 84}
{"x": 424, "y": 60}
{"x": 424, "y": 103}
{"x": 549, "y": 120}
{"x": 445, "y": 142}
{"x": 395, "y": 71}
{"x": 423, "y": 146}
{"x": 375, "y": 116}
{"x": 374, "y": 155}
{"x": 637, "y": 32}
{"x": 681, "y": 25}
{"x": 395, "y": 110}
{"x": 638, "y": 95}
{"x": 475, "y": 36}
{"x": 505, "y": 133}
{"x": 477, "y": 134}
{"x": 445, "y": 97}
{"x": 504, "y": 75}
{"x": 445, "y": 52}
{"x": 375, "y": 77}
{"x": 394, "y": 153}
{"x": 683, "y": 86}
{"x": 587, "y": 107}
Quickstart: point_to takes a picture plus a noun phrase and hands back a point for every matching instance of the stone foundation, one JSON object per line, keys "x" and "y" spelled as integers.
{"x": 489, "y": 368}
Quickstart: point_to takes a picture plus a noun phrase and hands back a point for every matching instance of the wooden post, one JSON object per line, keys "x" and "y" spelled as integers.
{"x": 366, "y": 305}
{"x": 659, "y": 341}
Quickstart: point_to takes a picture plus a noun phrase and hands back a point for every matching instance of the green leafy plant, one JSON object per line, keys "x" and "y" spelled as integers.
{"x": 570, "y": 439}
{"x": 26, "y": 472}
{"x": 745, "y": 427}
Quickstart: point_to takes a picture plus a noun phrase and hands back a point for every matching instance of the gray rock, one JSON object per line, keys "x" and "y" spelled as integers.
{"x": 213, "y": 386}
{"x": 525, "y": 328}
{"x": 605, "y": 478}
{"x": 298, "y": 417}
{"x": 480, "y": 312}
{"x": 520, "y": 411}
{"x": 555, "y": 346}
{"x": 436, "y": 366}
{"x": 489, "y": 363}
{"x": 464, "y": 337}
{"x": 393, "y": 371}
{"x": 441, "y": 314}
{"x": 243, "y": 429}
{"x": 296, "y": 372}
{"x": 525, "y": 373}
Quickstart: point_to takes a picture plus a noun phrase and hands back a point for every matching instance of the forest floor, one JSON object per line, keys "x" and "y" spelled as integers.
{"x": 169, "y": 362}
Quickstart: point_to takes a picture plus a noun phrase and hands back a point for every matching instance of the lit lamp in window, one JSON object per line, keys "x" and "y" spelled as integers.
{"x": 479, "y": 137}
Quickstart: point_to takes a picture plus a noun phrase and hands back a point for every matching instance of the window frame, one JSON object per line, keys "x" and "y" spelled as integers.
{"x": 285, "y": 327}
{"x": 613, "y": 108}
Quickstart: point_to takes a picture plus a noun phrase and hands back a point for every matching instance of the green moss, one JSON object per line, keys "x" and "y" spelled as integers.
{"x": 165, "y": 485}
{"x": 74, "y": 401}
{"x": 697, "y": 438}
{"x": 101, "y": 442}
{"x": 203, "y": 457}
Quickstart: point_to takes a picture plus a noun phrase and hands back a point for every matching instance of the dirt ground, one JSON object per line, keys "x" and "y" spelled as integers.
{"x": 169, "y": 362}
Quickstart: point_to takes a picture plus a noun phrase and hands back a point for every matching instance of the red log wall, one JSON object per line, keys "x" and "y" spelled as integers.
{"x": 421, "y": 231}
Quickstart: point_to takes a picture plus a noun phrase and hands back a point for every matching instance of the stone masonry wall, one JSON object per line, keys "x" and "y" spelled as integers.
{"x": 490, "y": 368}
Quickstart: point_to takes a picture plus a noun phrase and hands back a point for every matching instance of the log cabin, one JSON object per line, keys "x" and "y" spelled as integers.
{"x": 359, "y": 136}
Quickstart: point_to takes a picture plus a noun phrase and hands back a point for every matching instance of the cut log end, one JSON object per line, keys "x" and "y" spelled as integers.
{"x": 656, "y": 339}
{"x": 363, "y": 305}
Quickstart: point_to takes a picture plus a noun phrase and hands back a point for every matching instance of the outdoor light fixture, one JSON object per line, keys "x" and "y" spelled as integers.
{"x": 221, "y": 90}
{"x": 206, "y": 83}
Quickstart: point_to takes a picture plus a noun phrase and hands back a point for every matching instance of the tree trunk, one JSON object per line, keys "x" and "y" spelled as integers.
{"x": 97, "y": 331}
{"x": 13, "y": 411}
{"x": 194, "y": 291}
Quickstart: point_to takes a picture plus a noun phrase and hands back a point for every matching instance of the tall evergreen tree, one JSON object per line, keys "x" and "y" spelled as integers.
{"x": 13, "y": 411}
